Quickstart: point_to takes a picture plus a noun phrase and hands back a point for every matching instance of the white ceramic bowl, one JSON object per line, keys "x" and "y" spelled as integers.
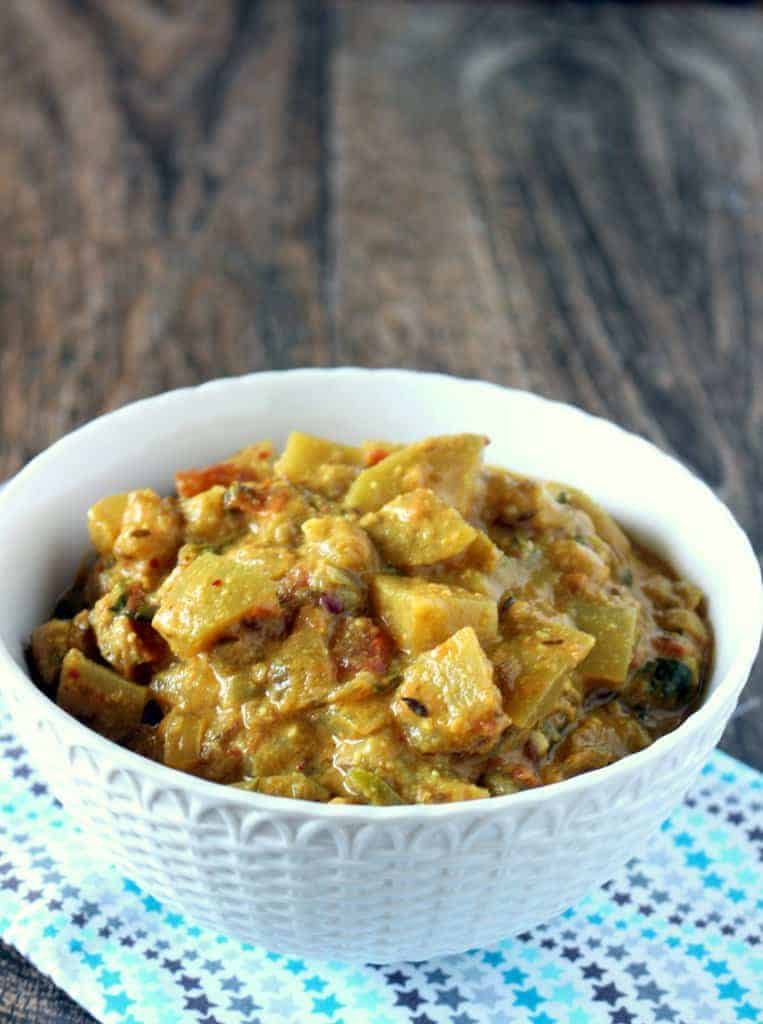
{"x": 364, "y": 883}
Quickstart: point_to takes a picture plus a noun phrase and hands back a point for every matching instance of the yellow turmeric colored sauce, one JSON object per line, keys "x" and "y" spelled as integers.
{"x": 379, "y": 624}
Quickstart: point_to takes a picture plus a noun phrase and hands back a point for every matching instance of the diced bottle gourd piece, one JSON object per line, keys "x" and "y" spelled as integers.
{"x": 384, "y": 754}
{"x": 418, "y": 528}
{"x": 361, "y": 685}
{"x": 326, "y": 466}
{"x": 447, "y": 465}
{"x": 305, "y": 453}
{"x": 151, "y": 533}
{"x": 271, "y": 511}
{"x": 207, "y": 597}
{"x": 371, "y": 787}
{"x": 438, "y": 788}
{"x": 448, "y": 702}
{"x": 482, "y": 553}
{"x": 99, "y": 697}
{"x": 501, "y": 783}
{"x": 252, "y": 463}
{"x": 605, "y": 735}
{"x": 614, "y": 628}
{"x": 104, "y": 521}
{"x": 204, "y": 515}
{"x": 49, "y": 645}
{"x": 190, "y": 686}
{"x": 237, "y": 689}
{"x": 271, "y": 560}
{"x": 682, "y": 620}
{"x": 420, "y": 614}
{"x": 533, "y": 667}
{"x": 355, "y": 720}
{"x": 281, "y": 748}
{"x": 183, "y": 735}
{"x": 340, "y": 542}
{"x": 119, "y": 640}
{"x": 292, "y": 784}
{"x": 302, "y": 674}
{"x": 603, "y": 522}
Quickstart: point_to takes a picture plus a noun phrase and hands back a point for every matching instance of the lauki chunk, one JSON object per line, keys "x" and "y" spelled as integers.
{"x": 338, "y": 559}
{"x": 182, "y": 735}
{"x": 420, "y": 614}
{"x": 302, "y": 674}
{"x": 253, "y": 463}
{"x": 339, "y": 542}
{"x": 272, "y": 561}
{"x": 448, "y": 702}
{"x": 272, "y": 511}
{"x": 605, "y": 735}
{"x": 48, "y": 646}
{"x": 482, "y": 555}
{"x": 150, "y": 534}
{"x": 191, "y": 686}
{"x": 447, "y": 465}
{"x": 292, "y": 784}
{"x": 436, "y": 787}
{"x": 206, "y": 518}
{"x": 325, "y": 466}
{"x": 614, "y": 629}
{"x": 372, "y": 788}
{"x": 356, "y": 720}
{"x": 51, "y": 641}
{"x": 510, "y": 500}
{"x": 104, "y": 521}
{"x": 383, "y": 754}
{"x": 358, "y": 644}
{"x": 418, "y": 528}
{"x": 99, "y": 697}
{"x": 283, "y": 747}
{"x": 604, "y": 526}
{"x": 532, "y": 669}
{"x": 121, "y": 623}
{"x": 209, "y": 596}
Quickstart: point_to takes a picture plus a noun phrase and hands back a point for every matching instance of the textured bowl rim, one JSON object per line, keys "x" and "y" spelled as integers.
{"x": 170, "y": 778}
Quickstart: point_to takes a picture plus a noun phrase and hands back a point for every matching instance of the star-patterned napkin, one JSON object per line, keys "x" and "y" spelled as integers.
{"x": 675, "y": 937}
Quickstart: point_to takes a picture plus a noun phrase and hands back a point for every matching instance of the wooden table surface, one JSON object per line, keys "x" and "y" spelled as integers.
{"x": 566, "y": 200}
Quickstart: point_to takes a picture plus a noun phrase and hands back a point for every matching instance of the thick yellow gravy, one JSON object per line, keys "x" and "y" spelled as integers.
{"x": 380, "y": 624}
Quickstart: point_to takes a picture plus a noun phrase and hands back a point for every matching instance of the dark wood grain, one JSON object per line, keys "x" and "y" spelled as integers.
{"x": 568, "y": 200}
{"x": 28, "y": 997}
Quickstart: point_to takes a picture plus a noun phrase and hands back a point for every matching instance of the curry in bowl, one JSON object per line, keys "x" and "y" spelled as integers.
{"x": 380, "y": 624}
